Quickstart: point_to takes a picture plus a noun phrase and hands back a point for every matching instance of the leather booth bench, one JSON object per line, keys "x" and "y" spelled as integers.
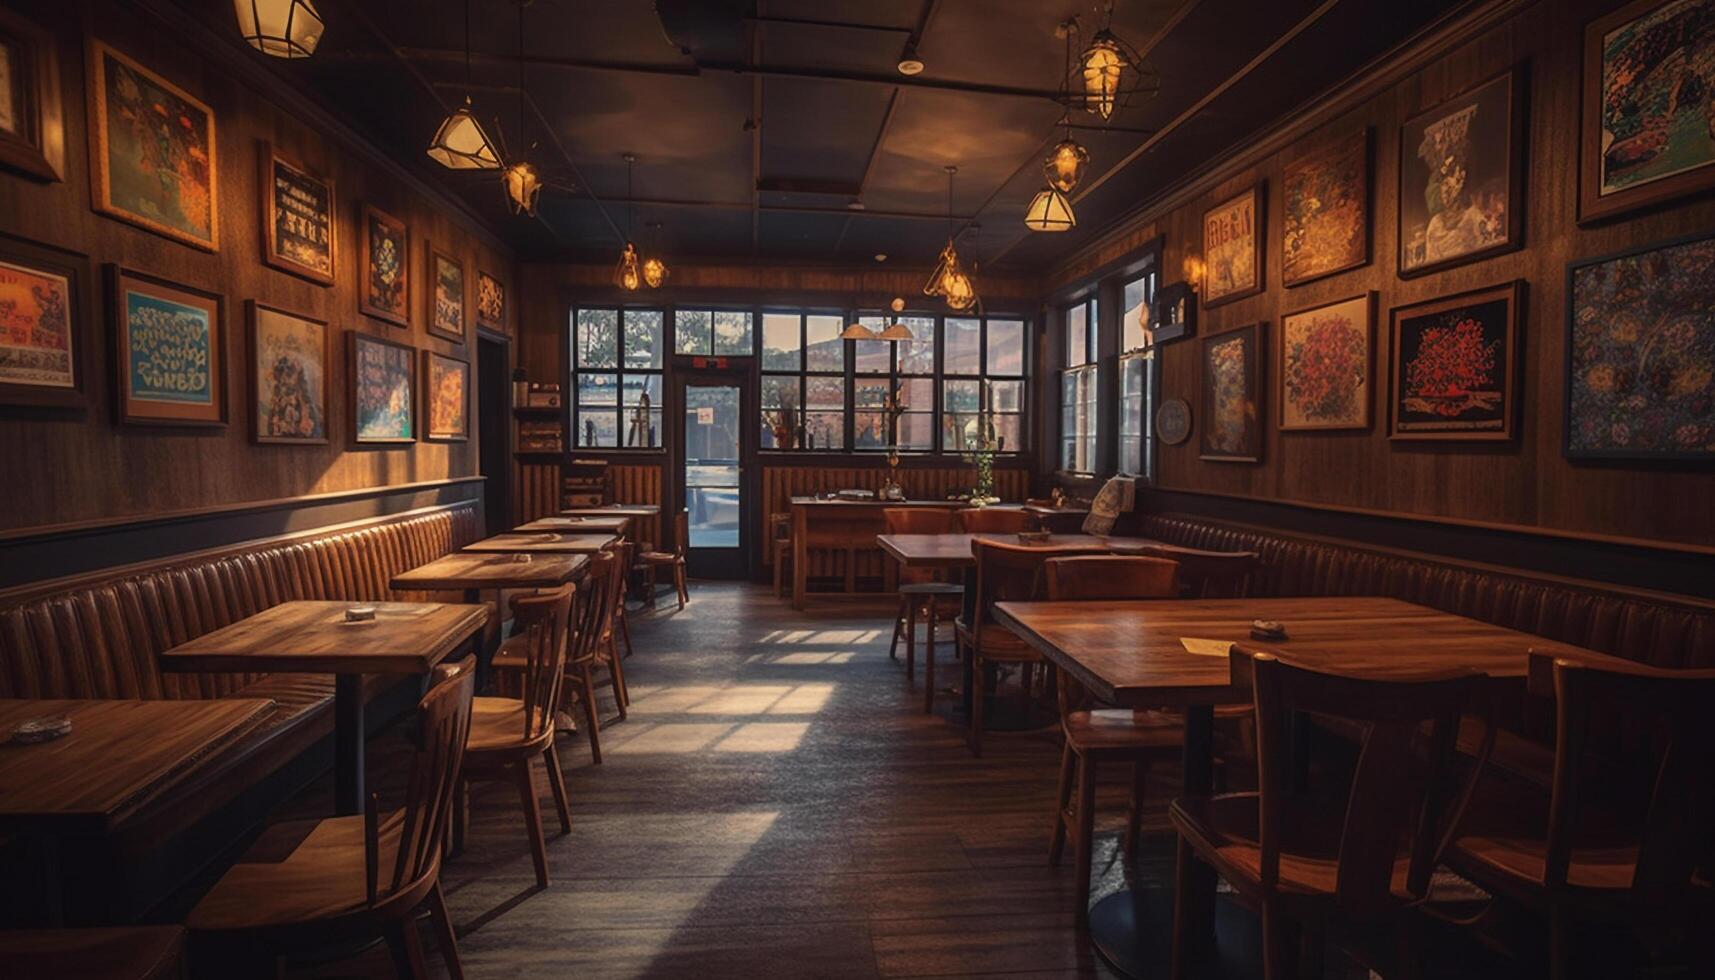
{"x": 99, "y": 635}
{"x": 1654, "y": 628}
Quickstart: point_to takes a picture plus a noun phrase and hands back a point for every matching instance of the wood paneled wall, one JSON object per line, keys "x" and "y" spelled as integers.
{"x": 538, "y": 493}
{"x": 781, "y": 483}
{"x": 1527, "y": 485}
{"x": 75, "y": 467}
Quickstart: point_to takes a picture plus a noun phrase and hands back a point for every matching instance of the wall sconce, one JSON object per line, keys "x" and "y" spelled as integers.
{"x": 1192, "y": 269}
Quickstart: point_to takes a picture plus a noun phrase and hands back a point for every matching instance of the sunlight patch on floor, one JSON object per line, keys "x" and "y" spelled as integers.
{"x": 804, "y": 659}
{"x": 740, "y": 699}
{"x": 840, "y": 637}
{"x": 764, "y": 736}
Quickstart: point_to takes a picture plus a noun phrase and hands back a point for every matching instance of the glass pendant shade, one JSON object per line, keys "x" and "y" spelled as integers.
{"x": 1050, "y": 211}
{"x": 460, "y": 143}
{"x": 627, "y": 275}
{"x": 654, "y": 272}
{"x": 523, "y": 187}
{"x": 1101, "y": 65}
{"x": 951, "y": 282}
{"x": 280, "y": 28}
{"x": 897, "y": 305}
{"x": 1065, "y": 165}
{"x": 896, "y": 331}
{"x": 857, "y": 331}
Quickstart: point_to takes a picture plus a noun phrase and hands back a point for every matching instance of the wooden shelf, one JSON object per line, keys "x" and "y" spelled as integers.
{"x": 536, "y": 411}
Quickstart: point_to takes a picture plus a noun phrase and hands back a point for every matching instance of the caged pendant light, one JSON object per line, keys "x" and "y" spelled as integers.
{"x": 460, "y": 143}
{"x": 950, "y": 281}
{"x": 1108, "y": 71}
{"x": 1050, "y": 210}
{"x": 280, "y": 28}
{"x": 654, "y": 269}
{"x": 523, "y": 186}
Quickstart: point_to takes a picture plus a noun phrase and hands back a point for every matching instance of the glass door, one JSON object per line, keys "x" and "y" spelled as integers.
{"x": 712, "y": 451}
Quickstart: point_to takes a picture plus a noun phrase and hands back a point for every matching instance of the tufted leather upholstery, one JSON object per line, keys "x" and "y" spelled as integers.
{"x": 1649, "y": 627}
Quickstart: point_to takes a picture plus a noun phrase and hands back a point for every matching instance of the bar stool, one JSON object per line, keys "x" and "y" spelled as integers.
{"x": 780, "y": 541}
{"x": 922, "y": 591}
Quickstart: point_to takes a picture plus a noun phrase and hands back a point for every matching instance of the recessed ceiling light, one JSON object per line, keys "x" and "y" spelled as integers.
{"x": 881, "y": 256}
{"x": 909, "y": 63}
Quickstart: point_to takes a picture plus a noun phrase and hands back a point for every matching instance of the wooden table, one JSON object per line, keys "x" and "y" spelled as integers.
{"x": 119, "y": 755}
{"x": 606, "y": 523}
{"x": 954, "y": 550}
{"x": 608, "y": 510}
{"x": 313, "y": 637}
{"x": 546, "y": 542}
{"x": 477, "y": 571}
{"x": 1131, "y": 654}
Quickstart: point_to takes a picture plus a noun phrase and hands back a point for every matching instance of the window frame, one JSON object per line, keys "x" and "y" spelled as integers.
{"x": 620, "y": 372}
{"x": 803, "y": 373}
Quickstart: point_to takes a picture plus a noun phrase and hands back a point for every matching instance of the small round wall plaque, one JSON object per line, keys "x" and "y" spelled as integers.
{"x": 1173, "y": 421}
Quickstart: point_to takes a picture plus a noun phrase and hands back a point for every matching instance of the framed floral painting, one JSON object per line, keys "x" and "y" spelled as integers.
{"x": 1232, "y": 395}
{"x": 446, "y": 398}
{"x": 490, "y": 303}
{"x": 152, "y": 151}
{"x": 1324, "y": 365}
{"x": 1644, "y": 141}
{"x": 385, "y": 292}
{"x": 1640, "y": 353}
{"x": 288, "y": 376}
{"x": 1325, "y": 210}
{"x": 446, "y": 296}
{"x": 1454, "y": 365}
{"x": 297, "y": 218}
{"x": 170, "y": 351}
{"x": 383, "y": 390}
{"x": 1232, "y": 248}
{"x": 46, "y": 300}
{"x": 1461, "y": 178}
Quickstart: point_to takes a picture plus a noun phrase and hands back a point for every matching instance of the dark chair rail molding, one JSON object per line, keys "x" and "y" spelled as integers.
{"x": 1662, "y": 566}
{"x": 56, "y": 551}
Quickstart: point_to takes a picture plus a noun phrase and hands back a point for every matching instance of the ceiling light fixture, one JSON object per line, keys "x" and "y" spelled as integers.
{"x": 280, "y": 28}
{"x": 628, "y": 275}
{"x": 950, "y": 281}
{"x": 1050, "y": 211}
{"x": 896, "y": 332}
{"x": 1101, "y": 85}
{"x": 523, "y": 186}
{"x": 654, "y": 270}
{"x": 898, "y": 304}
{"x": 460, "y": 143}
{"x": 909, "y": 63}
{"x": 857, "y": 330}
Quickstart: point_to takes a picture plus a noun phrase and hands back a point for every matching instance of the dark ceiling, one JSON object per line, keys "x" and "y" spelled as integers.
{"x": 763, "y": 126}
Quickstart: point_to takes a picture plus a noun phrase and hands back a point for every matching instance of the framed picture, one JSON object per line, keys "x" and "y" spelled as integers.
{"x": 490, "y": 302}
{"x": 46, "y": 300}
{"x": 1324, "y": 365}
{"x": 446, "y": 296}
{"x": 1454, "y": 365}
{"x": 385, "y": 292}
{"x": 1172, "y": 313}
{"x": 383, "y": 390}
{"x": 297, "y": 218}
{"x": 1640, "y": 353}
{"x": 1173, "y": 421}
{"x": 288, "y": 376}
{"x": 169, "y": 346}
{"x": 1461, "y": 178}
{"x": 152, "y": 151}
{"x": 1232, "y": 395}
{"x": 1325, "y": 208}
{"x": 446, "y": 398}
{"x": 32, "y": 127}
{"x": 1643, "y": 141}
{"x": 1232, "y": 248}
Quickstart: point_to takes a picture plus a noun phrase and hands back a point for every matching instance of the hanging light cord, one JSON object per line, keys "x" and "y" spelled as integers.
{"x": 521, "y": 6}
{"x": 630, "y": 200}
{"x": 467, "y": 48}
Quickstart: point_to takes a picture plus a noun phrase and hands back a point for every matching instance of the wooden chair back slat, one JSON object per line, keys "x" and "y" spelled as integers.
{"x": 1672, "y": 835}
{"x": 1095, "y": 577}
{"x": 681, "y": 532}
{"x": 543, "y": 620}
{"x": 595, "y": 611}
{"x": 1009, "y": 573}
{"x": 1404, "y": 793}
{"x": 1210, "y": 574}
{"x": 443, "y": 725}
{"x": 920, "y": 520}
{"x": 993, "y": 520}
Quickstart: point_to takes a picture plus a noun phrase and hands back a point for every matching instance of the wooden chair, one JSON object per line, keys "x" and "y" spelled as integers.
{"x": 922, "y": 591}
{"x": 508, "y": 734}
{"x": 780, "y": 545}
{"x": 607, "y": 650}
{"x": 1351, "y": 866}
{"x": 1209, "y": 574}
{"x": 1589, "y": 864}
{"x": 1094, "y": 735}
{"x": 121, "y": 953}
{"x": 353, "y": 878}
{"x": 993, "y": 520}
{"x": 652, "y": 561}
{"x": 1004, "y": 572}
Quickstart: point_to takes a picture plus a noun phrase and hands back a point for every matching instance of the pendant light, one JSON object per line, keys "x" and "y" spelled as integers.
{"x": 628, "y": 274}
{"x": 1050, "y": 210}
{"x": 280, "y": 28}
{"x": 1100, "y": 76}
{"x": 896, "y": 331}
{"x": 523, "y": 186}
{"x": 1065, "y": 165}
{"x": 654, "y": 270}
{"x": 950, "y": 281}
{"x": 460, "y": 143}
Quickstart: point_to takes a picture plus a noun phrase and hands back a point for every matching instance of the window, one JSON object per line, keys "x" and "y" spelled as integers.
{"x": 1138, "y": 375}
{"x": 984, "y": 371}
{"x": 803, "y": 381}
{"x": 616, "y": 386}
{"x": 1078, "y": 389}
{"x": 904, "y": 369}
{"x": 712, "y": 333}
